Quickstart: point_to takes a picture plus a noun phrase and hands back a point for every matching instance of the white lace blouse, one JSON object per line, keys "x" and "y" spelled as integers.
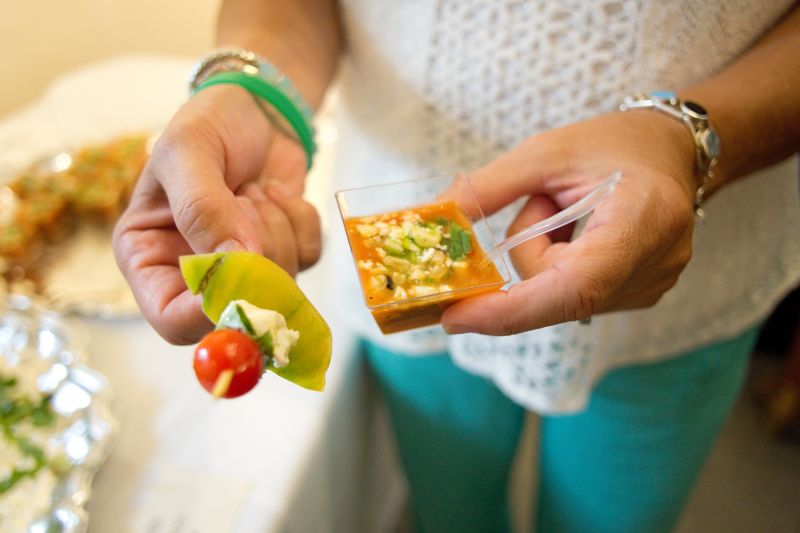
{"x": 432, "y": 87}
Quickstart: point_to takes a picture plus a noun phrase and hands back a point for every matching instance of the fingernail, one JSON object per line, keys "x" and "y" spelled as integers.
{"x": 231, "y": 245}
{"x": 456, "y": 329}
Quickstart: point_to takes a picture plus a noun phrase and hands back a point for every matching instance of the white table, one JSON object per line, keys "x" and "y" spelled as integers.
{"x": 278, "y": 459}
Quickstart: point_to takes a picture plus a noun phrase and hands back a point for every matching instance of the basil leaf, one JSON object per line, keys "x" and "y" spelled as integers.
{"x": 248, "y": 326}
{"x": 460, "y": 243}
{"x": 265, "y": 343}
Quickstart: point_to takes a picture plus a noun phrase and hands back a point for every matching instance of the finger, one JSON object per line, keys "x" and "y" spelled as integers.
{"x": 205, "y": 209}
{"x": 175, "y": 312}
{"x": 534, "y": 255}
{"x": 521, "y": 172}
{"x": 305, "y": 223}
{"x": 288, "y": 160}
{"x": 524, "y": 171}
{"x": 504, "y": 180}
{"x": 148, "y": 260}
{"x": 277, "y": 238}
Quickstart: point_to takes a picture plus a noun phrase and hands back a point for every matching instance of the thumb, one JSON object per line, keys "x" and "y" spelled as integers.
{"x": 578, "y": 283}
{"x": 205, "y": 210}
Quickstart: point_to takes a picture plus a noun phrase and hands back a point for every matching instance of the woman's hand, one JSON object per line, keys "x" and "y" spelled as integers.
{"x": 633, "y": 247}
{"x": 636, "y": 244}
{"x": 219, "y": 179}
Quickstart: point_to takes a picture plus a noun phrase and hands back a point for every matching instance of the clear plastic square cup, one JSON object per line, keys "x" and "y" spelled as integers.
{"x": 409, "y": 312}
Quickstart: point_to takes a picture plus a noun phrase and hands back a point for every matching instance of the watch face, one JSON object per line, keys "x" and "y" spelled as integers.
{"x": 694, "y": 109}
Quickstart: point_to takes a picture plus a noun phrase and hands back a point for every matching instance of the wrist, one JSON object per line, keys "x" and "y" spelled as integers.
{"x": 696, "y": 120}
{"x": 669, "y": 148}
{"x": 288, "y": 58}
{"x": 722, "y": 170}
{"x": 274, "y": 93}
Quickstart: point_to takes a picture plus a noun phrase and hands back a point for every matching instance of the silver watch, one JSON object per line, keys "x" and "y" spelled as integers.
{"x": 696, "y": 119}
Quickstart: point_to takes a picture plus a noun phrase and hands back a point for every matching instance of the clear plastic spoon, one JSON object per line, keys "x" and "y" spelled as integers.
{"x": 579, "y": 209}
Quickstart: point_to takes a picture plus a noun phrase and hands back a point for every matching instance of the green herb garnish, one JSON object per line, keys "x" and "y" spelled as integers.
{"x": 265, "y": 343}
{"x": 460, "y": 242}
{"x": 248, "y": 326}
{"x": 13, "y": 410}
{"x": 42, "y": 415}
{"x": 15, "y": 477}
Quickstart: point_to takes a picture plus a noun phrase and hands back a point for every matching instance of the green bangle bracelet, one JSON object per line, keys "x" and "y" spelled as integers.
{"x": 277, "y": 98}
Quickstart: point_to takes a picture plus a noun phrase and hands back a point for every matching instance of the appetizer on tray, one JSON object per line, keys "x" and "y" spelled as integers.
{"x": 45, "y": 199}
{"x": 55, "y": 209}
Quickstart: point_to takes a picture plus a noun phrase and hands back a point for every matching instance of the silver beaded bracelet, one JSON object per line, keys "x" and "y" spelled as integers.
{"x": 241, "y": 60}
{"x": 275, "y": 95}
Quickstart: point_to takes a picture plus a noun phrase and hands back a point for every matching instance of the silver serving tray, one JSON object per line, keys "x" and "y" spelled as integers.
{"x": 81, "y": 397}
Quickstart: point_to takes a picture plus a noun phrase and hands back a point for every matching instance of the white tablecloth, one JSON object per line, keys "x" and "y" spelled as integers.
{"x": 279, "y": 459}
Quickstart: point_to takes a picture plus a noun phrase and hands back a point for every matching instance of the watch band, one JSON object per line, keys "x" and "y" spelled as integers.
{"x": 697, "y": 121}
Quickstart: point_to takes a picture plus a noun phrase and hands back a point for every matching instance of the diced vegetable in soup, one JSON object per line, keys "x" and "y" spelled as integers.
{"x": 421, "y": 252}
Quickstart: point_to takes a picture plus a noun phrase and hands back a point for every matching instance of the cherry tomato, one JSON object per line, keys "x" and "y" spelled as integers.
{"x": 228, "y": 363}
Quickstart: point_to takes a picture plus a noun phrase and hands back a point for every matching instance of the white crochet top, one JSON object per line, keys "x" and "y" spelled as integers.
{"x": 431, "y": 87}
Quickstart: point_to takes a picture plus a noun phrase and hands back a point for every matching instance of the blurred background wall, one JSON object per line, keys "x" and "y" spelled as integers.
{"x": 41, "y": 39}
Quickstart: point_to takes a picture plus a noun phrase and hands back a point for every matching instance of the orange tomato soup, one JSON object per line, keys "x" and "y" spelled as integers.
{"x": 414, "y": 263}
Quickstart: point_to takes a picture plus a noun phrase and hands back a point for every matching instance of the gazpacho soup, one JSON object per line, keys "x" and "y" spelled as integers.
{"x": 413, "y": 263}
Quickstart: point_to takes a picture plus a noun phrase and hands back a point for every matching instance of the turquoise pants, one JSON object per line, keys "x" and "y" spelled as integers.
{"x": 625, "y": 464}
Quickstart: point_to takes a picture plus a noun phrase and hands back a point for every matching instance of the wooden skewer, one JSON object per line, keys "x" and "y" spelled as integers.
{"x": 222, "y": 384}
